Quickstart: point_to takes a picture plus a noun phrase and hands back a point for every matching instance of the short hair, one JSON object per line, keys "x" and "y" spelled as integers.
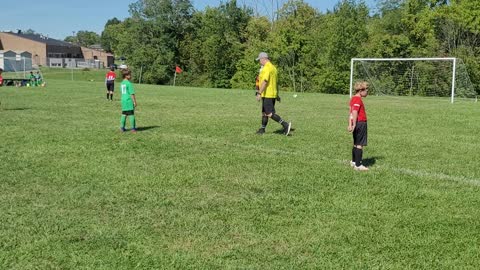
{"x": 126, "y": 72}
{"x": 1, "y": 70}
{"x": 360, "y": 85}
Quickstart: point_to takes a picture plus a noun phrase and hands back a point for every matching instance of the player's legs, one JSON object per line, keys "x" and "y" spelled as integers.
{"x": 359, "y": 142}
{"x": 265, "y": 110}
{"x": 110, "y": 88}
{"x": 132, "y": 122}
{"x": 286, "y": 125}
{"x": 123, "y": 119}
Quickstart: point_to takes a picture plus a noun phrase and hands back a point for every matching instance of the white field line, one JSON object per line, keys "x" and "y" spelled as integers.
{"x": 441, "y": 176}
{"x": 403, "y": 171}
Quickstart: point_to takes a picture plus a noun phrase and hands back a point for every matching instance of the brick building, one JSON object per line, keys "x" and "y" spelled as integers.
{"x": 54, "y": 53}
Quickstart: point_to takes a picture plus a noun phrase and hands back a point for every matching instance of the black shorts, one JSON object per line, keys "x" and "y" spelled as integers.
{"x": 268, "y": 105}
{"x": 132, "y": 112}
{"x": 360, "y": 134}
{"x": 110, "y": 86}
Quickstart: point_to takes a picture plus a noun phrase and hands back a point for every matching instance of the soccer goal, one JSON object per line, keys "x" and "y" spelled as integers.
{"x": 425, "y": 77}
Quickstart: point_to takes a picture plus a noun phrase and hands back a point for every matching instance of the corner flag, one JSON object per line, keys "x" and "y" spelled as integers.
{"x": 178, "y": 70}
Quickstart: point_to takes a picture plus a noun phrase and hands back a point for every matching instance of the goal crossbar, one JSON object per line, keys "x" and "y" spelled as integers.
{"x": 453, "y": 59}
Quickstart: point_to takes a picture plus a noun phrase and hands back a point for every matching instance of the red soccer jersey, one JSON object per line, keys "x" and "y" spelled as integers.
{"x": 1, "y": 80}
{"x": 111, "y": 76}
{"x": 356, "y": 104}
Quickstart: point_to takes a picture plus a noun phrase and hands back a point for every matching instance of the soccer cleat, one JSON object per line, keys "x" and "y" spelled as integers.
{"x": 261, "y": 131}
{"x": 122, "y": 129}
{"x": 134, "y": 130}
{"x": 360, "y": 168}
{"x": 352, "y": 163}
{"x": 287, "y": 129}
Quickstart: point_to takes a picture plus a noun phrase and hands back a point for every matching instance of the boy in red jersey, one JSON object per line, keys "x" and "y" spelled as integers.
{"x": 1, "y": 78}
{"x": 357, "y": 124}
{"x": 110, "y": 83}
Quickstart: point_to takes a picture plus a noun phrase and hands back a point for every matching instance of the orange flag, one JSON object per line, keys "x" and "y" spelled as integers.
{"x": 178, "y": 70}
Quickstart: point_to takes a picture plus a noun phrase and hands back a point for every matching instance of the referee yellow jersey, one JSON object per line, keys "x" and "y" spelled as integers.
{"x": 269, "y": 74}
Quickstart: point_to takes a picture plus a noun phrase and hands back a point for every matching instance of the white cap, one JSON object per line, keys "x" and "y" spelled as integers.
{"x": 123, "y": 66}
{"x": 262, "y": 55}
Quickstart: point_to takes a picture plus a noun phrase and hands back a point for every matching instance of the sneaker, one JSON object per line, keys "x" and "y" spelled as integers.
{"x": 360, "y": 168}
{"x": 352, "y": 163}
{"x": 287, "y": 129}
{"x": 261, "y": 131}
{"x": 134, "y": 130}
{"x": 122, "y": 129}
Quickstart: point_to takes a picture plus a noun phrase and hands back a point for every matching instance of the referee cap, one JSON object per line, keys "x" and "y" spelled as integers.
{"x": 262, "y": 55}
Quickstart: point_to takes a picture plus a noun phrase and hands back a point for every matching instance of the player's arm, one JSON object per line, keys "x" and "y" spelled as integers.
{"x": 134, "y": 100}
{"x": 352, "y": 120}
{"x": 263, "y": 86}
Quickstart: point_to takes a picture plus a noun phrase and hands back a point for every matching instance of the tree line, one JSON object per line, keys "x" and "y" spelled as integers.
{"x": 217, "y": 47}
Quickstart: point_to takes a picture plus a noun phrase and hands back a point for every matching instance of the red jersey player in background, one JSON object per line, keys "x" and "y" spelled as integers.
{"x": 357, "y": 124}
{"x": 110, "y": 82}
{"x": 1, "y": 78}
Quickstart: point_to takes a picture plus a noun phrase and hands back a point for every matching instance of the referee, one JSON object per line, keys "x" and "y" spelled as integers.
{"x": 268, "y": 94}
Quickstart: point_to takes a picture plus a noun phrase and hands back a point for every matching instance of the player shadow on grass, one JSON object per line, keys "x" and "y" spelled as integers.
{"x": 281, "y": 131}
{"x": 370, "y": 161}
{"x": 146, "y": 128}
{"x": 16, "y": 109}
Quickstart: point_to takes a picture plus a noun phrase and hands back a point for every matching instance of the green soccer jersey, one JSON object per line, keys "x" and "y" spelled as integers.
{"x": 127, "y": 91}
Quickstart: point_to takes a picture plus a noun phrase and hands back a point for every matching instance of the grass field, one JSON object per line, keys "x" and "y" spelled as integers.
{"x": 90, "y": 75}
{"x": 195, "y": 188}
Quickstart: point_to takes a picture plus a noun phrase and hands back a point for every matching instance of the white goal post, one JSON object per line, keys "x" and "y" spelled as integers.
{"x": 441, "y": 76}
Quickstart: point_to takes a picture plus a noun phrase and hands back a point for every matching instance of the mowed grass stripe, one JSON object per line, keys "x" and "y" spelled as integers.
{"x": 198, "y": 189}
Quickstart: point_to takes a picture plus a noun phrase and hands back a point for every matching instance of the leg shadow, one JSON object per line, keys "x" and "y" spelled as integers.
{"x": 17, "y": 109}
{"x": 146, "y": 128}
{"x": 370, "y": 161}
{"x": 280, "y": 131}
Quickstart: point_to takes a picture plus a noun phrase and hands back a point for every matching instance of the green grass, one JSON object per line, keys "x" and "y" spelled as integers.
{"x": 95, "y": 75}
{"x": 197, "y": 189}
{"x": 91, "y": 75}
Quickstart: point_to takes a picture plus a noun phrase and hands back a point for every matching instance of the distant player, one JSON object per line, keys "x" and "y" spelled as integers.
{"x": 128, "y": 101}
{"x": 110, "y": 82}
{"x": 39, "y": 79}
{"x": 33, "y": 80}
{"x": 357, "y": 124}
{"x": 1, "y": 78}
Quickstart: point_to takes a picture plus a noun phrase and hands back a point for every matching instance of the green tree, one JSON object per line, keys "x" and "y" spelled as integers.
{"x": 458, "y": 30}
{"x": 150, "y": 38}
{"x": 221, "y": 42}
{"x": 108, "y": 34}
{"x": 289, "y": 40}
{"x": 87, "y": 38}
{"x": 71, "y": 39}
{"x": 256, "y": 33}
{"x": 338, "y": 37}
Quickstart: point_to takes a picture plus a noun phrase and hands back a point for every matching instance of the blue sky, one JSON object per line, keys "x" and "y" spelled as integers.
{"x": 59, "y": 18}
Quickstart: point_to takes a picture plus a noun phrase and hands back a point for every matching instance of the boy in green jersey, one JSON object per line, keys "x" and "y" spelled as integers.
{"x": 128, "y": 101}
{"x": 33, "y": 81}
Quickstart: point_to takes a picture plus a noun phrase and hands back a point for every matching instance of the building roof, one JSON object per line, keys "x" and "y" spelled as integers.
{"x": 43, "y": 39}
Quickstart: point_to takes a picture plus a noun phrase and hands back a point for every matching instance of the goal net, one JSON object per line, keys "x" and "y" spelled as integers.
{"x": 426, "y": 77}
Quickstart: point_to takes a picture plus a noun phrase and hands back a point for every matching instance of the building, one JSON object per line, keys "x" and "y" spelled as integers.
{"x": 54, "y": 53}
